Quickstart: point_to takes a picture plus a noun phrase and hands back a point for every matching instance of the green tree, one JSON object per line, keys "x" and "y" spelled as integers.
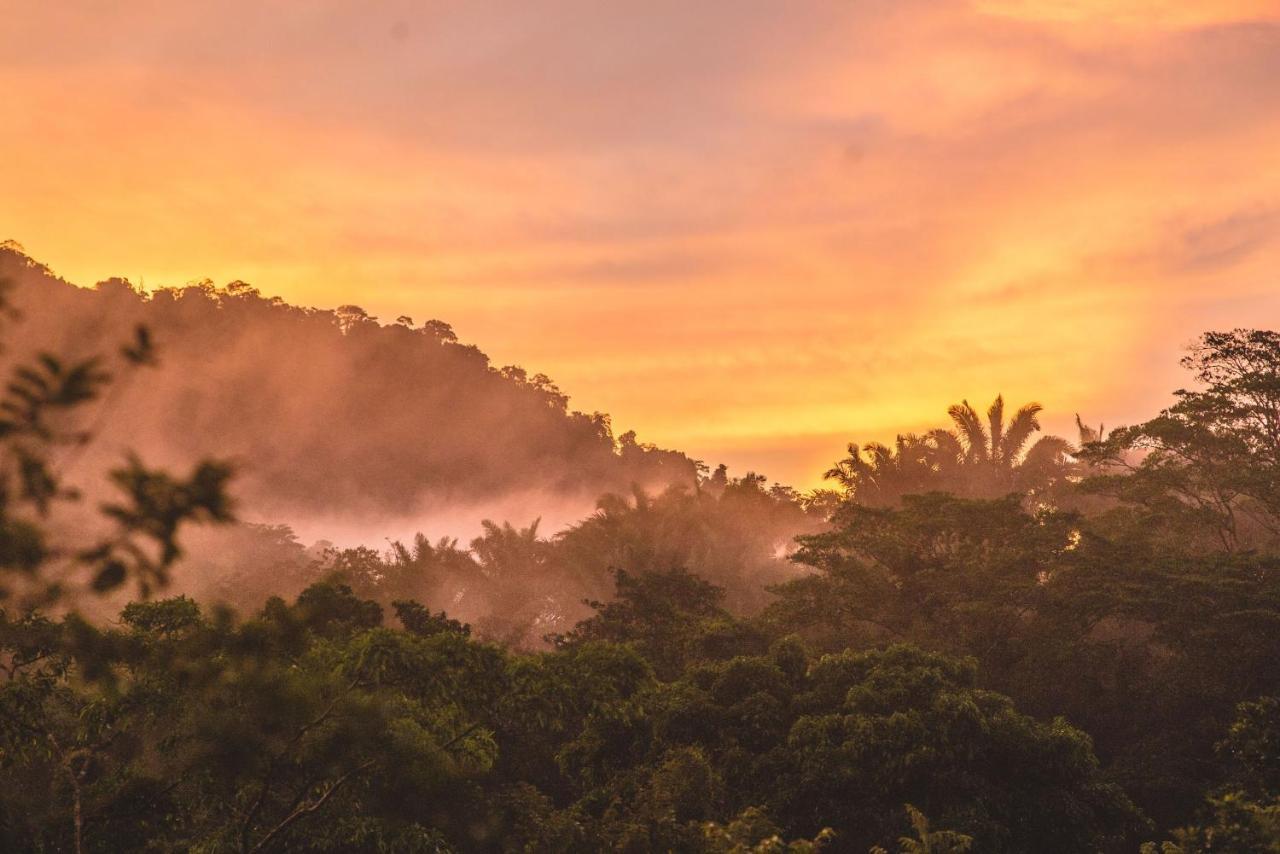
{"x": 308, "y": 727}
{"x": 672, "y": 618}
{"x": 1211, "y": 462}
{"x": 1244, "y": 814}
{"x": 842, "y": 742}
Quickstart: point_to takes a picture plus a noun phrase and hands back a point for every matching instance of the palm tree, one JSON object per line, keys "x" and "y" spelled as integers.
{"x": 995, "y": 442}
{"x": 981, "y": 457}
{"x": 996, "y": 452}
{"x": 524, "y": 591}
{"x": 915, "y": 464}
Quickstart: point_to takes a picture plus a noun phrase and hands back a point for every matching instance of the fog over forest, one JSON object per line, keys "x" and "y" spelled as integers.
{"x": 349, "y": 432}
{"x": 888, "y": 462}
{"x": 281, "y": 578}
{"x": 333, "y": 410}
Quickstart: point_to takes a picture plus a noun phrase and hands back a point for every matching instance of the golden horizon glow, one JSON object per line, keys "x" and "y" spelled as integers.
{"x": 753, "y": 232}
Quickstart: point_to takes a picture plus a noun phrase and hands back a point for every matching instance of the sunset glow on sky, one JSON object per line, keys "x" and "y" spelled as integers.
{"x": 749, "y": 230}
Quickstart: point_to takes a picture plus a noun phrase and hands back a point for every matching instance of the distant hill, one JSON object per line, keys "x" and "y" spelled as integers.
{"x": 325, "y": 410}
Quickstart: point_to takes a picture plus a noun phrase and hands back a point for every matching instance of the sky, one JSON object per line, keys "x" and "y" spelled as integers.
{"x": 753, "y": 231}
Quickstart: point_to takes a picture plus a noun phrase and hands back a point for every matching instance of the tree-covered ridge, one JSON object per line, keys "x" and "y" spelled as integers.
{"x": 328, "y": 409}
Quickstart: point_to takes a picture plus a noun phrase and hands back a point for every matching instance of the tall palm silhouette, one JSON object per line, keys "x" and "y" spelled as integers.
{"x": 995, "y": 441}
{"x": 980, "y": 457}
{"x": 995, "y": 450}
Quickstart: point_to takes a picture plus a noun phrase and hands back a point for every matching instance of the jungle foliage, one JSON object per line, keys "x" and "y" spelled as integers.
{"x": 982, "y": 643}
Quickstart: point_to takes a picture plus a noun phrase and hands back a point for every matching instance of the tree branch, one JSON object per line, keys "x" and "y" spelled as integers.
{"x": 306, "y": 809}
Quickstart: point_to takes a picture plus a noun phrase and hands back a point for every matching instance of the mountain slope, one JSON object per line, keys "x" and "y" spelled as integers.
{"x": 325, "y": 411}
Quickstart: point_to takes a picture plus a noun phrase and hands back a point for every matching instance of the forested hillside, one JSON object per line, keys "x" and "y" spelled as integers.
{"x": 981, "y": 639}
{"x": 327, "y": 409}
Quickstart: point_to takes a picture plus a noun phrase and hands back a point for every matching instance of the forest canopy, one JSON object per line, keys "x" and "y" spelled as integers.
{"x": 979, "y": 639}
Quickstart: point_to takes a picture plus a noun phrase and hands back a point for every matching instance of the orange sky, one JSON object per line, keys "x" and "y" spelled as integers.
{"x": 751, "y": 230}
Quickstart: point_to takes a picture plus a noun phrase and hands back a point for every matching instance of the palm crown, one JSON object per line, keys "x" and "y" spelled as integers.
{"x": 980, "y": 457}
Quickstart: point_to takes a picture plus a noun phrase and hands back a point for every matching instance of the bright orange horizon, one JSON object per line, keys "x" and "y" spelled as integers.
{"x": 751, "y": 231}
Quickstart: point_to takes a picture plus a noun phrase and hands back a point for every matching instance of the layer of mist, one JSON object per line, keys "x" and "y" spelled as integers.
{"x": 393, "y": 456}
{"x": 328, "y": 411}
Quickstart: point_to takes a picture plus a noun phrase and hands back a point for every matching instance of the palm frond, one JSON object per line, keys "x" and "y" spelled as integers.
{"x": 1088, "y": 435}
{"x": 1048, "y": 451}
{"x": 995, "y": 419}
{"x": 847, "y": 471}
{"x": 946, "y": 443}
{"x": 881, "y": 455}
{"x": 970, "y": 429}
{"x": 1023, "y": 424}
